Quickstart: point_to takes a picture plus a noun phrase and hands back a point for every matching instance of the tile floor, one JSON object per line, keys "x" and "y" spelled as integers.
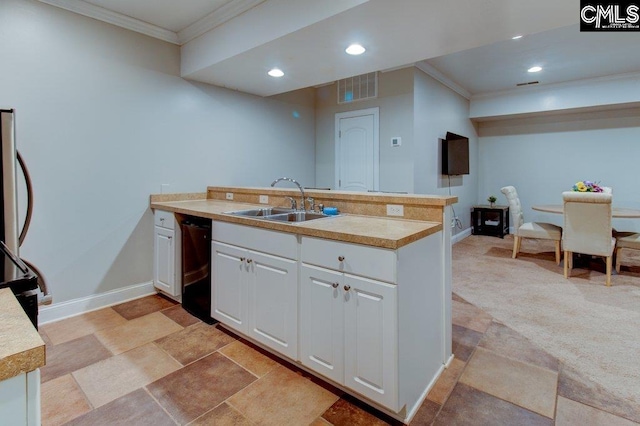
{"x": 149, "y": 362}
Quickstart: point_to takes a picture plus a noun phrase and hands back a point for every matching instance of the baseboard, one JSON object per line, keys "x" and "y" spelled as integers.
{"x": 74, "y": 307}
{"x": 460, "y": 236}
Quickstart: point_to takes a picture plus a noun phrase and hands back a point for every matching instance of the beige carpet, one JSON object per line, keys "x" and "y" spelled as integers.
{"x": 589, "y": 327}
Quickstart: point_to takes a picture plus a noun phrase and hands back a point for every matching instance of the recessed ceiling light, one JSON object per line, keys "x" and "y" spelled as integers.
{"x": 535, "y": 69}
{"x": 276, "y": 72}
{"x": 355, "y": 49}
{"x": 516, "y": 37}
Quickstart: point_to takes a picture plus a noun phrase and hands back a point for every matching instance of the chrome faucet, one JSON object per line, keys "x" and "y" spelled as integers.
{"x": 301, "y": 206}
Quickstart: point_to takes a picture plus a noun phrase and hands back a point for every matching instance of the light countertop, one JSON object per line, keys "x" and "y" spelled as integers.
{"x": 375, "y": 231}
{"x": 21, "y": 347}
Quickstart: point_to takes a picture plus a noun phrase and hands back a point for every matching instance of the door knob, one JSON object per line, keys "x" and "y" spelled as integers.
{"x": 335, "y": 285}
{"x": 249, "y": 260}
{"x": 347, "y": 287}
{"x": 340, "y": 258}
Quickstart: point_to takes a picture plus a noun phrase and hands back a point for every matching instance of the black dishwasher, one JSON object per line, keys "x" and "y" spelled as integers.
{"x": 196, "y": 267}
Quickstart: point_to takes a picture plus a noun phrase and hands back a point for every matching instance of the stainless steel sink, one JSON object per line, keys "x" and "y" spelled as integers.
{"x": 260, "y": 213}
{"x": 296, "y": 216}
{"x": 278, "y": 214}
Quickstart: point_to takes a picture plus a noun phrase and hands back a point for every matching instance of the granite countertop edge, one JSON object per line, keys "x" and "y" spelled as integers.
{"x": 332, "y": 228}
{"x": 21, "y": 347}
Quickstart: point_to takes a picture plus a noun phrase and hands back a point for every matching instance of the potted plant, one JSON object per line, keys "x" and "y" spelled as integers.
{"x": 492, "y": 200}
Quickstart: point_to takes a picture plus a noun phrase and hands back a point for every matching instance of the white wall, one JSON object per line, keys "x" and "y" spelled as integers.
{"x": 544, "y": 156}
{"x": 103, "y": 119}
{"x": 395, "y": 100}
{"x": 437, "y": 110}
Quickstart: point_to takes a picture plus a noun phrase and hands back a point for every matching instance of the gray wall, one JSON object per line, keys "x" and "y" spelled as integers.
{"x": 395, "y": 100}
{"x": 103, "y": 119}
{"x": 545, "y": 155}
{"x": 437, "y": 110}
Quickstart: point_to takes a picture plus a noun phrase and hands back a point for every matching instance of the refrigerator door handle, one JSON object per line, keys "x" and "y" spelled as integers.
{"x": 27, "y": 179}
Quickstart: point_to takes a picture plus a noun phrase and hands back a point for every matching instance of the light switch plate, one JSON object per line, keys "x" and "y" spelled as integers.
{"x": 229, "y": 195}
{"x": 264, "y": 199}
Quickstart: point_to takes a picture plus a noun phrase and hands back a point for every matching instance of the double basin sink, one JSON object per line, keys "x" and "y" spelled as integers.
{"x": 279, "y": 214}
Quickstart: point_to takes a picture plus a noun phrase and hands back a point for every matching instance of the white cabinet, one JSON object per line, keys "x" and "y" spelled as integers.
{"x": 253, "y": 291}
{"x": 370, "y": 349}
{"x": 166, "y": 254}
{"x": 371, "y": 319}
{"x": 20, "y": 399}
{"x": 229, "y": 285}
{"x": 348, "y": 330}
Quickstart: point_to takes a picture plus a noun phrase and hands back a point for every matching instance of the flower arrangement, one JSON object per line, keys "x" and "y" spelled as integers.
{"x": 492, "y": 199}
{"x": 587, "y": 186}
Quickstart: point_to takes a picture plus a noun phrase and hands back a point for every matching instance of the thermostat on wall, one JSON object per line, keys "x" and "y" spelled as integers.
{"x": 397, "y": 141}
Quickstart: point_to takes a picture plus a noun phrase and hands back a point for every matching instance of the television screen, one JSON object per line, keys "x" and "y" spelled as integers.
{"x": 455, "y": 155}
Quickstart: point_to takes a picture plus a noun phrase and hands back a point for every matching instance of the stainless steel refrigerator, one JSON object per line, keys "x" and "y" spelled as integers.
{"x": 24, "y": 279}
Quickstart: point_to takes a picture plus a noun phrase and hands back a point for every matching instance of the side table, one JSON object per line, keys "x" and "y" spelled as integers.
{"x": 490, "y": 220}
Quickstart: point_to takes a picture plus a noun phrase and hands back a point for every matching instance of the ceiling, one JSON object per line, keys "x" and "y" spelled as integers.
{"x": 232, "y": 43}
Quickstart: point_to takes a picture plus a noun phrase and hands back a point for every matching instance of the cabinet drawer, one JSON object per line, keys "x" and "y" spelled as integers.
{"x": 164, "y": 219}
{"x": 258, "y": 239}
{"x": 367, "y": 261}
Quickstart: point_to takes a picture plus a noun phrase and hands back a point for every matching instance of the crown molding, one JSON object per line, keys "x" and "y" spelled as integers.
{"x": 216, "y": 18}
{"x": 431, "y": 71}
{"x": 556, "y": 86}
{"x": 115, "y": 18}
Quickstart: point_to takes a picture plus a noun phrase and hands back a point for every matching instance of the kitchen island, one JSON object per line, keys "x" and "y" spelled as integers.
{"x": 22, "y": 354}
{"x": 362, "y": 300}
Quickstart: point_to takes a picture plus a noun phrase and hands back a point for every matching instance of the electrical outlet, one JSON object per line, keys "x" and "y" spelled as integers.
{"x": 395, "y": 210}
{"x": 264, "y": 199}
{"x": 229, "y": 195}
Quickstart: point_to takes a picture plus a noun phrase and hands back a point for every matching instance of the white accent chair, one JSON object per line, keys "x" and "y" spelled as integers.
{"x": 522, "y": 229}
{"x": 625, "y": 241}
{"x": 587, "y": 228}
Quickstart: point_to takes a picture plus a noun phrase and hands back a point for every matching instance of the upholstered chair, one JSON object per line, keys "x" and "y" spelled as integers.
{"x": 625, "y": 241}
{"x": 587, "y": 228}
{"x": 522, "y": 229}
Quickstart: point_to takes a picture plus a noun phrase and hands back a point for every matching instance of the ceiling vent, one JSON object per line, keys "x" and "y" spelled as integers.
{"x": 358, "y": 88}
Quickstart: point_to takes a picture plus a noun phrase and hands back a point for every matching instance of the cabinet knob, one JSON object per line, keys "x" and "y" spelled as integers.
{"x": 347, "y": 287}
{"x": 242, "y": 259}
{"x": 169, "y": 237}
{"x": 335, "y": 285}
{"x": 249, "y": 260}
{"x": 340, "y": 258}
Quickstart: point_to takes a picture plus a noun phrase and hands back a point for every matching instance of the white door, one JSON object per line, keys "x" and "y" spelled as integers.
{"x": 164, "y": 262}
{"x": 322, "y": 321}
{"x": 229, "y": 285}
{"x": 357, "y": 150}
{"x": 273, "y": 301}
{"x": 371, "y": 340}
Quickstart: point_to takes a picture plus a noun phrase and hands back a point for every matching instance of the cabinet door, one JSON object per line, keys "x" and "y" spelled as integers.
{"x": 371, "y": 339}
{"x": 273, "y": 302}
{"x": 322, "y": 321}
{"x": 229, "y": 285}
{"x": 165, "y": 259}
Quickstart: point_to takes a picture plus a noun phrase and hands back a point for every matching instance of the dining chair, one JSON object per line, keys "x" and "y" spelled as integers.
{"x": 587, "y": 228}
{"x": 522, "y": 229}
{"x": 625, "y": 241}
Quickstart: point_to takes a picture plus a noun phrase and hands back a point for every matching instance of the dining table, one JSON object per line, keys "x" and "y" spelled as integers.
{"x": 616, "y": 212}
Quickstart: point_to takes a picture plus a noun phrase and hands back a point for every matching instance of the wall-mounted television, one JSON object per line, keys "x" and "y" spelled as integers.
{"x": 455, "y": 155}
